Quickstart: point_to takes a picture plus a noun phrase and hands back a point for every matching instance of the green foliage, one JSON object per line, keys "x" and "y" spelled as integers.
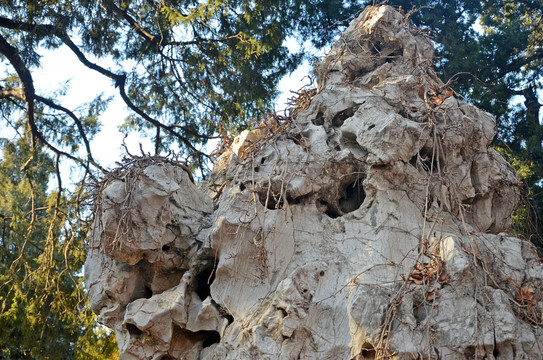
{"x": 200, "y": 62}
{"x": 43, "y": 314}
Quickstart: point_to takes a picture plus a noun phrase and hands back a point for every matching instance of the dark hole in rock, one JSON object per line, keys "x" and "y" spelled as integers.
{"x": 203, "y": 283}
{"x": 426, "y": 160}
{"x": 147, "y": 292}
{"x": 262, "y": 161}
{"x": 293, "y": 201}
{"x": 224, "y": 313}
{"x": 319, "y": 120}
{"x": 341, "y": 116}
{"x": 271, "y": 200}
{"x": 321, "y": 273}
{"x": 241, "y": 187}
{"x": 256, "y": 168}
{"x": 368, "y": 351}
{"x": 371, "y": 126}
{"x": 328, "y": 209}
{"x": 354, "y": 197}
{"x": 377, "y": 48}
{"x": 471, "y": 200}
{"x": 167, "y": 357}
{"x": 413, "y": 160}
{"x": 165, "y": 248}
{"x": 332, "y": 213}
{"x": 133, "y": 330}
{"x": 495, "y": 352}
{"x": 186, "y": 339}
{"x": 338, "y": 148}
{"x": 394, "y": 55}
{"x": 298, "y": 200}
{"x": 283, "y": 311}
{"x": 213, "y": 337}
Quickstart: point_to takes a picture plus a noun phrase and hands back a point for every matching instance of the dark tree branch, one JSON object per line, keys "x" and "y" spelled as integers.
{"x": 533, "y": 107}
{"x": 28, "y": 84}
{"x": 25, "y": 76}
{"x": 119, "y": 79}
{"x": 157, "y": 142}
{"x": 200, "y": 40}
{"x": 82, "y": 133}
{"x": 133, "y": 23}
{"x": 156, "y": 123}
{"x": 18, "y": 93}
{"x": 518, "y": 63}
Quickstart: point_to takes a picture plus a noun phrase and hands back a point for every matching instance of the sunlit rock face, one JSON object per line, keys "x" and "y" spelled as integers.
{"x": 370, "y": 226}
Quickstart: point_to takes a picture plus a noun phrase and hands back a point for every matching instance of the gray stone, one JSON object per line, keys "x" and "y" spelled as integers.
{"x": 373, "y": 224}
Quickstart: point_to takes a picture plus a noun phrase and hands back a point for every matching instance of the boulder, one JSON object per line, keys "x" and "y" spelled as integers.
{"x": 370, "y": 225}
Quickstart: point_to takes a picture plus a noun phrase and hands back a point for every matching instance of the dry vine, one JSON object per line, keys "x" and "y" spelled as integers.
{"x": 129, "y": 172}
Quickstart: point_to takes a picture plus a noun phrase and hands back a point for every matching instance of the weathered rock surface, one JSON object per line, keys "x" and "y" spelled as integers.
{"x": 372, "y": 225}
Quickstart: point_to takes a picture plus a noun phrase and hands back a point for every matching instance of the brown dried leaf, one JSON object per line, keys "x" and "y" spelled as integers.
{"x": 436, "y": 100}
{"x": 421, "y": 92}
{"x": 417, "y": 275}
{"x": 444, "y": 279}
{"x": 526, "y": 295}
{"x": 431, "y": 295}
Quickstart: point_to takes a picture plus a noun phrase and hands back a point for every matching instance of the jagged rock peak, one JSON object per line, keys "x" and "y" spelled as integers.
{"x": 379, "y": 35}
{"x": 371, "y": 226}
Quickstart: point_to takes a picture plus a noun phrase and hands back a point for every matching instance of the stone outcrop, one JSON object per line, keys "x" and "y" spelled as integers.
{"x": 371, "y": 225}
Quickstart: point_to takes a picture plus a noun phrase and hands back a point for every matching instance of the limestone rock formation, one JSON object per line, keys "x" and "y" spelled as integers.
{"x": 370, "y": 225}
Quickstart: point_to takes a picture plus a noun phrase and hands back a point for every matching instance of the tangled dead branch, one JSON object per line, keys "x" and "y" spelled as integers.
{"x": 128, "y": 171}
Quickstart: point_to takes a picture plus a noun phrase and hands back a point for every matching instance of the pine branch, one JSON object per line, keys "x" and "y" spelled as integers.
{"x": 17, "y": 93}
{"x": 25, "y": 76}
{"x": 119, "y": 79}
{"x": 76, "y": 120}
{"x": 133, "y": 23}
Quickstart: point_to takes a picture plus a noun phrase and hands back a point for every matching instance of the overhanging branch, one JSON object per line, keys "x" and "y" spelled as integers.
{"x": 119, "y": 79}
{"x": 133, "y": 23}
{"x": 78, "y": 123}
{"x": 25, "y": 76}
{"x": 28, "y": 84}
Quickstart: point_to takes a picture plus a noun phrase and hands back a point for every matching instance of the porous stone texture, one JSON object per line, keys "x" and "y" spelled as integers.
{"x": 370, "y": 226}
